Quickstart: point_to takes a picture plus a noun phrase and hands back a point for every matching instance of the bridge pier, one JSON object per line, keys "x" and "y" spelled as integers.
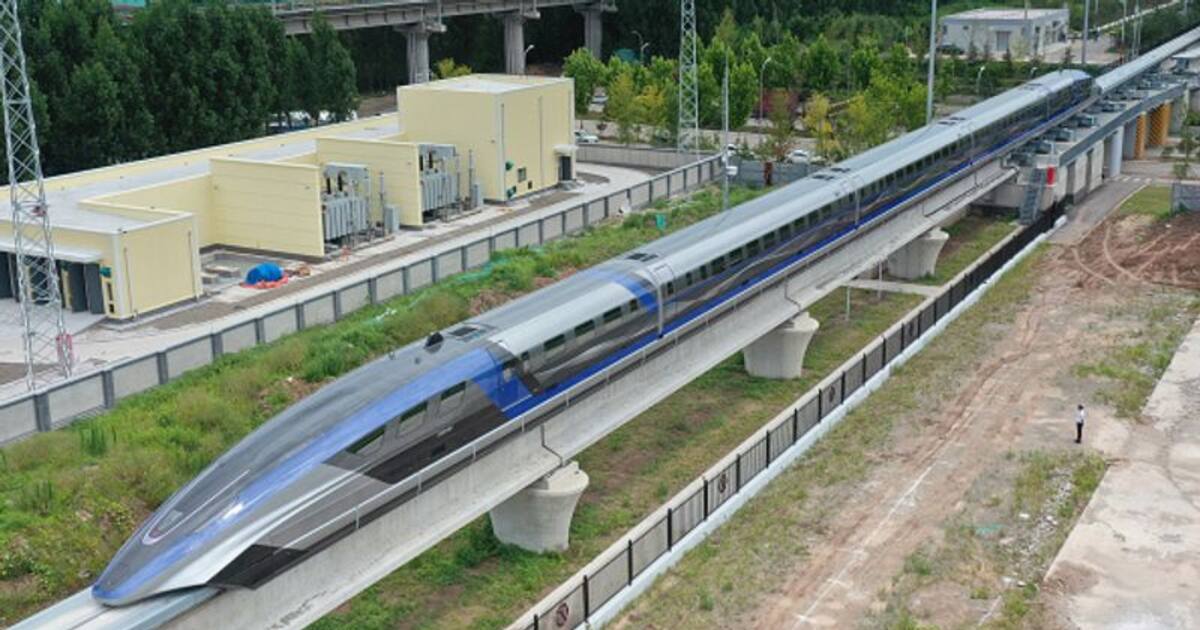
{"x": 918, "y": 259}
{"x": 593, "y": 28}
{"x": 780, "y": 353}
{"x": 1179, "y": 110}
{"x": 538, "y": 518}
{"x": 1114, "y": 148}
{"x": 514, "y": 39}
{"x": 417, "y": 38}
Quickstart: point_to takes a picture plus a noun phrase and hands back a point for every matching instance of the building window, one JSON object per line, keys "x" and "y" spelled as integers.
{"x": 522, "y": 174}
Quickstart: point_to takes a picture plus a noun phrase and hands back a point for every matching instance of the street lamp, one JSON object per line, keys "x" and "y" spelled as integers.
{"x": 978, "y": 79}
{"x": 762, "y": 88}
{"x": 525, "y": 58}
{"x": 641, "y": 42}
{"x": 642, "y": 53}
{"x": 1087, "y": 9}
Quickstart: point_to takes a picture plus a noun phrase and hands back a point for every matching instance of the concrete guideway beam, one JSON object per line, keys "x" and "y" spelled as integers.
{"x": 538, "y": 518}
{"x": 918, "y": 259}
{"x": 780, "y": 353}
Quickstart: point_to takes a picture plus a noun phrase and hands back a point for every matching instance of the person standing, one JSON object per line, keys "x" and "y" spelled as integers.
{"x": 1080, "y": 415}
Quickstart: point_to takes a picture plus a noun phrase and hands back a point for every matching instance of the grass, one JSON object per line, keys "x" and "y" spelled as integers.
{"x": 70, "y": 498}
{"x": 470, "y": 580}
{"x": 1129, "y": 371}
{"x": 770, "y": 531}
{"x": 1152, "y": 201}
{"x": 993, "y": 555}
{"x": 971, "y": 237}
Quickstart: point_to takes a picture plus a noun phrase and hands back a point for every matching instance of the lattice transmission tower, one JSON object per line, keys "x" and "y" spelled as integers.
{"x": 689, "y": 79}
{"x": 45, "y": 337}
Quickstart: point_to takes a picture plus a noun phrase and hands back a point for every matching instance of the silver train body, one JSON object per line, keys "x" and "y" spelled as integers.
{"x": 332, "y": 462}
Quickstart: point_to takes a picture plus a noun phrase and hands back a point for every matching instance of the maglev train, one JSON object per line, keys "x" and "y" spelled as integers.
{"x": 333, "y": 461}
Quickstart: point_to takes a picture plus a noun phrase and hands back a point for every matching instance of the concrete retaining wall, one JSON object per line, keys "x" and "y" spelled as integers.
{"x": 97, "y": 390}
{"x": 634, "y": 157}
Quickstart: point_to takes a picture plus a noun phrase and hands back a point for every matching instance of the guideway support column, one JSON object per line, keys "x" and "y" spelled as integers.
{"x": 780, "y": 353}
{"x": 417, "y": 39}
{"x": 593, "y": 26}
{"x": 1115, "y": 146}
{"x": 538, "y": 518}
{"x": 919, "y": 258}
{"x": 514, "y": 40}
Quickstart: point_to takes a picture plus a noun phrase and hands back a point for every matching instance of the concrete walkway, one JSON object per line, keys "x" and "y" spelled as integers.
{"x": 1133, "y": 560}
{"x": 925, "y": 290}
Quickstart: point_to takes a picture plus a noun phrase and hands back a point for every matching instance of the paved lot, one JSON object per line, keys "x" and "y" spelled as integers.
{"x": 1133, "y": 560}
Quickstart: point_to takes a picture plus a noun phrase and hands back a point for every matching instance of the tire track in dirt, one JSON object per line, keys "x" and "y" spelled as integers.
{"x": 835, "y": 586}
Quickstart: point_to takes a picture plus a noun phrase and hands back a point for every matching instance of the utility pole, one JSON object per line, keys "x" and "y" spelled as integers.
{"x": 932, "y": 61}
{"x": 762, "y": 89}
{"x": 725, "y": 136}
{"x": 45, "y": 337}
{"x": 1087, "y": 7}
{"x": 689, "y": 79}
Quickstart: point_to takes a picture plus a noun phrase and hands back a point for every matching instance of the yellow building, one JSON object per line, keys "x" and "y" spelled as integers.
{"x": 517, "y": 130}
{"x": 129, "y": 238}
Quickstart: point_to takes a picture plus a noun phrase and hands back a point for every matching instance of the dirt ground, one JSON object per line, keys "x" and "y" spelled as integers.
{"x": 960, "y": 454}
{"x": 1020, "y": 398}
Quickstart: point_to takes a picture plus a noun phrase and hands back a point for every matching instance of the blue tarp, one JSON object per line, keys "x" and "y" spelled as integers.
{"x": 265, "y": 272}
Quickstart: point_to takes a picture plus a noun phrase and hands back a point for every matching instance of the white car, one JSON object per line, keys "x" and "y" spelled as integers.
{"x": 584, "y": 137}
{"x": 799, "y": 156}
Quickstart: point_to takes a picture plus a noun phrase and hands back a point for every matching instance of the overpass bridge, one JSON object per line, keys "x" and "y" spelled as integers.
{"x": 441, "y": 499}
{"x": 419, "y": 19}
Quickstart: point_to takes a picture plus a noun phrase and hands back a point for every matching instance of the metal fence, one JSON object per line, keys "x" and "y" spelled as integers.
{"x": 93, "y": 392}
{"x": 624, "y": 562}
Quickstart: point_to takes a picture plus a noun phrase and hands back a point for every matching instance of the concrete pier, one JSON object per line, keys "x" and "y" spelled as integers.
{"x": 417, "y": 38}
{"x": 538, "y": 518}
{"x": 780, "y": 353}
{"x": 514, "y": 40}
{"x": 919, "y": 258}
{"x": 1114, "y": 149}
{"x": 593, "y": 28}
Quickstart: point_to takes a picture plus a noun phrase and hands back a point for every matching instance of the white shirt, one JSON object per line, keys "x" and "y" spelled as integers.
{"x": 1079, "y": 417}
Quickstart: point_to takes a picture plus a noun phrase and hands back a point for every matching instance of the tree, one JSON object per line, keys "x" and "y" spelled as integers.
{"x": 448, "y": 68}
{"x": 821, "y": 66}
{"x": 588, "y": 74}
{"x": 334, "y": 70}
{"x": 817, "y": 121}
{"x": 864, "y": 62}
{"x": 621, "y": 107}
{"x": 781, "y": 136}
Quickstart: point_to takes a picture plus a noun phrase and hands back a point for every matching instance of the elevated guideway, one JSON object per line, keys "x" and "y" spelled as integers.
{"x": 440, "y": 500}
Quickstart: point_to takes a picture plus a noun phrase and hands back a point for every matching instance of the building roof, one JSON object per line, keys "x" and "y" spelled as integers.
{"x": 65, "y": 193}
{"x": 990, "y": 15}
{"x": 485, "y": 83}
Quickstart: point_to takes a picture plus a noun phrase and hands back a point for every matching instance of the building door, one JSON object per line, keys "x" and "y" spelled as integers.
{"x": 1002, "y": 41}
{"x": 564, "y": 169}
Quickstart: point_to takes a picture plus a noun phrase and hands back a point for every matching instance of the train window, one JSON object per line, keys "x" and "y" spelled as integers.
{"x": 718, "y": 264}
{"x": 585, "y": 329}
{"x": 411, "y": 420}
{"x": 554, "y": 344}
{"x": 509, "y": 369}
{"x": 368, "y": 443}
{"x": 452, "y": 398}
{"x": 798, "y": 224}
{"x": 704, "y": 272}
{"x": 633, "y": 306}
{"x": 782, "y": 233}
{"x": 670, "y": 288}
{"x": 687, "y": 279}
{"x": 735, "y": 256}
{"x": 768, "y": 241}
{"x": 612, "y": 315}
{"x": 752, "y": 249}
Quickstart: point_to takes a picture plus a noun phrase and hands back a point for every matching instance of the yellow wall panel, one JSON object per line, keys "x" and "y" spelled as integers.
{"x": 268, "y": 206}
{"x": 160, "y": 265}
{"x": 182, "y": 195}
{"x": 397, "y": 162}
